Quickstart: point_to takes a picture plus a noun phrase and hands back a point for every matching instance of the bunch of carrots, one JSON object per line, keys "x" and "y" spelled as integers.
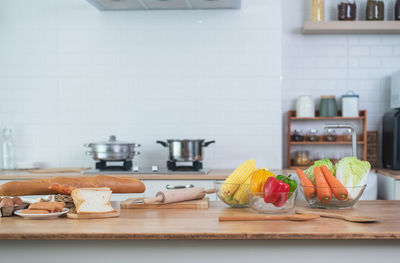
{"x": 326, "y": 185}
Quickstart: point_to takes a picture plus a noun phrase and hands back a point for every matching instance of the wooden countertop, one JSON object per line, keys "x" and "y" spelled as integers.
{"x": 188, "y": 224}
{"x": 213, "y": 174}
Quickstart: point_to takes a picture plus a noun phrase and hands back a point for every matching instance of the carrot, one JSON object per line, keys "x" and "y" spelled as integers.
{"x": 338, "y": 189}
{"x": 324, "y": 192}
{"x": 308, "y": 186}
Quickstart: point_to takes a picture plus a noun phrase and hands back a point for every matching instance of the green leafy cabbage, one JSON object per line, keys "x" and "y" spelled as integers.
{"x": 352, "y": 172}
{"x": 310, "y": 171}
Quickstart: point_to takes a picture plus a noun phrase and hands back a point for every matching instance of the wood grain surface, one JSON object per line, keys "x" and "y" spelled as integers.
{"x": 203, "y": 224}
{"x": 193, "y": 204}
{"x": 93, "y": 216}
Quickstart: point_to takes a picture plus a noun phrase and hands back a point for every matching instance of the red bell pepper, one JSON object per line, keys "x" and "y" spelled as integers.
{"x": 276, "y": 192}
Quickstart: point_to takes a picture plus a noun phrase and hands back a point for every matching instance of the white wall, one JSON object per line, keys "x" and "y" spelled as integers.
{"x": 332, "y": 64}
{"x": 70, "y": 74}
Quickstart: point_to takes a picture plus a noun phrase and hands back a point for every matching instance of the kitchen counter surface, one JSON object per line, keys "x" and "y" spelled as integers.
{"x": 390, "y": 173}
{"x": 214, "y": 174}
{"x": 186, "y": 224}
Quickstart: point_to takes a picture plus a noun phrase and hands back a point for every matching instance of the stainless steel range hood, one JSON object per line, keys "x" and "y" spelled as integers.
{"x": 164, "y": 4}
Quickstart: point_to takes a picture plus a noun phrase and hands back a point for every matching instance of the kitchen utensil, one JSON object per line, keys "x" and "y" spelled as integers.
{"x": 57, "y": 170}
{"x": 268, "y": 217}
{"x": 185, "y": 150}
{"x": 350, "y": 104}
{"x": 328, "y": 106}
{"x": 229, "y": 200}
{"x": 178, "y": 195}
{"x": 305, "y": 107}
{"x": 94, "y": 215}
{"x": 335, "y": 203}
{"x": 258, "y": 204}
{"x": 357, "y": 219}
{"x": 112, "y": 150}
{"x": 42, "y": 216}
{"x": 137, "y": 203}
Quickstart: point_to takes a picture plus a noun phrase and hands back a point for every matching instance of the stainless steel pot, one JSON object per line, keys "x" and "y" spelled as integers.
{"x": 112, "y": 150}
{"x": 185, "y": 150}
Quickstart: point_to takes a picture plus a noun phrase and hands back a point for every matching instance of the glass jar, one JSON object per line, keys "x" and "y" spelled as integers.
{"x": 302, "y": 158}
{"x": 347, "y": 135}
{"x": 375, "y": 10}
{"x": 298, "y": 135}
{"x": 330, "y": 135}
{"x": 313, "y": 135}
{"x": 397, "y": 10}
{"x": 317, "y": 10}
{"x": 347, "y": 11}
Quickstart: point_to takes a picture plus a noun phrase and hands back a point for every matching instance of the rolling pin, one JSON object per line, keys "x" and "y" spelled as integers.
{"x": 179, "y": 195}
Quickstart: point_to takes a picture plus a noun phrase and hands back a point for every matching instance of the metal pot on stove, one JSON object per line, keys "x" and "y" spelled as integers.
{"x": 112, "y": 150}
{"x": 185, "y": 150}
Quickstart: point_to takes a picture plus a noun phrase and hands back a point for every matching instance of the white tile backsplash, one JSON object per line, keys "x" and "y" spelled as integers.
{"x": 71, "y": 74}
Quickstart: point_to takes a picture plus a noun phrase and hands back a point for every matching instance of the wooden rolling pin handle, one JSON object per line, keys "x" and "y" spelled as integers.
{"x": 152, "y": 200}
{"x": 210, "y": 191}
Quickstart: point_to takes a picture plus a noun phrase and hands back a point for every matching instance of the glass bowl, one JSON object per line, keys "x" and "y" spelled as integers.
{"x": 222, "y": 189}
{"x": 258, "y": 204}
{"x": 353, "y": 198}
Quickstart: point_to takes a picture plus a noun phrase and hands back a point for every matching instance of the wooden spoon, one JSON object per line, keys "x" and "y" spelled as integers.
{"x": 356, "y": 219}
{"x": 303, "y": 217}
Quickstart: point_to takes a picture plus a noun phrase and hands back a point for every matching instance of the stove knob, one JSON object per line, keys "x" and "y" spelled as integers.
{"x": 154, "y": 168}
{"x": 135, "y": 168}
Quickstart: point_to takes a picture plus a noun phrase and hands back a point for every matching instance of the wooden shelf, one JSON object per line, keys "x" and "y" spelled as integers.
{"x": 292, "y": 116}
{"x": 352, "y": 27}
{"x": 324, "y": 143}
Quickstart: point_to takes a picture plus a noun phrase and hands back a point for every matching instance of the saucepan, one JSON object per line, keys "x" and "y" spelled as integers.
{"x": 185, "y": 150}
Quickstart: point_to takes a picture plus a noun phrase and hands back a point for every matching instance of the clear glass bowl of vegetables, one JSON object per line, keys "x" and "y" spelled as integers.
{"x": 278, "y": 195}
{"x": 326, "y": 186}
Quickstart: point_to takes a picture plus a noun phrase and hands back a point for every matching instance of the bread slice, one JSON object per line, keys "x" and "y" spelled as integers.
{"x": 92, "y": 200}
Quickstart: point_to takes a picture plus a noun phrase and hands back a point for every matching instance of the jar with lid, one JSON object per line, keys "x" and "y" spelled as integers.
{"x": 350, "y": 104}
{"x": 305, "y": 107}
{"x": 317, "y": 10}
{"x": 397, "y": 10}
{"x": 328, "y": 106}
{"x": 375, "y": 10}
{"x": 347, "y": 135}
{"x": 298, "y": 135}
{"x": 302, "y": 158}
{"x": 313, "y": 135}
{"x": 330, "y": 135}
{"x": 347, "y": 11}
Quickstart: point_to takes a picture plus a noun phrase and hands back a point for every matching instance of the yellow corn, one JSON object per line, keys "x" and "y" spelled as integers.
{"x": 242, "y": 194}
{"x": 238, "y": 177}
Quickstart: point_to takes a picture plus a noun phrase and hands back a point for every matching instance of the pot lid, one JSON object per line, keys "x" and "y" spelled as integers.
{"x": 112, "y": 140}
{"x": 350, "y": 94}
{"x": 185, "y": 140}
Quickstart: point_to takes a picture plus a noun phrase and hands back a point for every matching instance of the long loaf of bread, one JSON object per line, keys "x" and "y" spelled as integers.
{"x": 122, "y": 184}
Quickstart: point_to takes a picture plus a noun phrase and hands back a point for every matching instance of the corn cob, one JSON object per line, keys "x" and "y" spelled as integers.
{"x": 242, "y": 194}
{"x": 238, "y": 177}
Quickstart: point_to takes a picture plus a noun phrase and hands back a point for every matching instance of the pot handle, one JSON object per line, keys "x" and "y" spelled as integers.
{"x": 162, "y": 143}
{"x": 208, "y": 143}
{"x": 89, "y": 153}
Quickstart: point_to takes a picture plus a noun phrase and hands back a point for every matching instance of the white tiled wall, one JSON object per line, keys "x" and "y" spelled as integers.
{"x": 70, "y": 74}
{"x": 333, "y": 64}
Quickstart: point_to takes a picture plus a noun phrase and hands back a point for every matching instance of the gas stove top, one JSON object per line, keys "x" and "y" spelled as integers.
{"x": 145, "y": 170}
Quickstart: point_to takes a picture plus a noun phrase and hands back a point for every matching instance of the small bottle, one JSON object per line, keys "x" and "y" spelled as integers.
{"x": 298, "y": 135}
{"x": 317, "y": 10}
{"x": 8, "y": 149}
{"x": 375, "y": 10}
{"x": 397, "y": 10}
{"x": 313, "y": 135}
{"x": 347, "y": 11}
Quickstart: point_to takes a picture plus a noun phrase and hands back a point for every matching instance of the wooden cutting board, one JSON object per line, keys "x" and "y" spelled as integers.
{"x": 131, "y": 203}
{"x": 93, "y": 216}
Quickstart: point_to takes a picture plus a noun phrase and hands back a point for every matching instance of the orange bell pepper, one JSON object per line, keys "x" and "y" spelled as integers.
{"x": 258, "y": 180}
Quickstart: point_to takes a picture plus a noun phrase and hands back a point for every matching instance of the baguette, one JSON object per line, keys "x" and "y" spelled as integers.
{"x": 122, "y": 184}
